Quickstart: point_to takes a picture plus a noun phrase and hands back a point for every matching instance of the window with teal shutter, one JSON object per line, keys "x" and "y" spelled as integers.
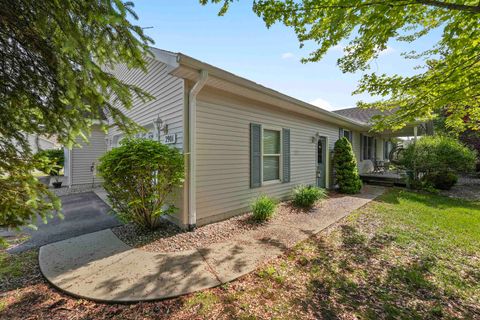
{"x": 271, "y": 155}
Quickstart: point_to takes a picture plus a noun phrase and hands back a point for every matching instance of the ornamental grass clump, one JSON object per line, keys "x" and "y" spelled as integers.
{"x": 345, "y": 165}
{"x": 140, "y": 178}
{"x": 263, "y": 208}
{"x": 306, "y": 196}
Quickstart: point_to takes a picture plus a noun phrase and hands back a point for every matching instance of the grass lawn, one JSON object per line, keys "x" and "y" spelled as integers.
{"x": 404, "y": 256}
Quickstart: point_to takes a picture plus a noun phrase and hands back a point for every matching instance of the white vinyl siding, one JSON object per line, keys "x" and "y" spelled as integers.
{"x": 223, "y": 152}
{"x": 83, "y": 158}
{"x": 168, "y": 102}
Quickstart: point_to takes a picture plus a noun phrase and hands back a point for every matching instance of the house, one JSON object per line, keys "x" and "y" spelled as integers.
{"x": 240, "y": 139}
{"x": 39, "y": 142}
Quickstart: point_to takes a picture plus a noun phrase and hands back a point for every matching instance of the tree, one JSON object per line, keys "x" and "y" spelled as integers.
{"x": 436, "y": 161}
{"x": 53, "y": 57}
{"x": 469, "y": 137}
{"x": 345, "y": 165}
{"x": 451, "y": 68}
{"x": 140, "y": 177}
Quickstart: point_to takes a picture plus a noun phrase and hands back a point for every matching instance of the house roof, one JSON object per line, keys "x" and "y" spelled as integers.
{"x": 362, "y": 115}
{"x": 188, "y": 68}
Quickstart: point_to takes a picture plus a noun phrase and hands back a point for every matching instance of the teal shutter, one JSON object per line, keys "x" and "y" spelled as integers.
{"x": 255, "y": 155}
{"x": 286, "y": 154}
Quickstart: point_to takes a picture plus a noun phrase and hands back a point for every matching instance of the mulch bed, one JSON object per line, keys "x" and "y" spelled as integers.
{"x": 170, "y": 238}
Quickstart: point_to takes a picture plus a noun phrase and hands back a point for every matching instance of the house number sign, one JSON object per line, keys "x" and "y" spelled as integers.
{"x": 170, "y": 138}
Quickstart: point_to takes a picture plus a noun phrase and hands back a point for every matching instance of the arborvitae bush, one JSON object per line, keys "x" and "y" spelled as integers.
{"x": 345, "y": 166}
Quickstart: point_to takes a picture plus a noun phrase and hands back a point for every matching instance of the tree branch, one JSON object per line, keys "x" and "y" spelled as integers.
{"x": 434, "y": 3}
{"x": 450, "y": 6}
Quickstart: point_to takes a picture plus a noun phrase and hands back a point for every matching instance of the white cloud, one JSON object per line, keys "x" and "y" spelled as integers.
{"x": 338, "y": 47}
{"x": 387, "y": 51}
{"x": 287, "y": 55}
{"x": 321, "y": 103}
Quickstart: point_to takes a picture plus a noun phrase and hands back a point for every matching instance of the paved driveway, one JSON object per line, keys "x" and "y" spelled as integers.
{"x": 83, "y": 213}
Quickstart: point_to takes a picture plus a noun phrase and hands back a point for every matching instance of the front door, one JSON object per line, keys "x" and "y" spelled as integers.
{"x": 321, "y": 162}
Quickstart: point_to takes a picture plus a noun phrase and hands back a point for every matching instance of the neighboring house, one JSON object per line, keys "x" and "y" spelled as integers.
{"x": 80, "y": 163}
{"x": 38, "y": 142}
{"x": 240, "y": 139}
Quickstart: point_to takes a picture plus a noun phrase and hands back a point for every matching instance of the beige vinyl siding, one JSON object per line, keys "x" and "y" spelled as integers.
{"x": 223, "y": 152}
{"x": 168, "y": 102}
{"x": 380, "y": 155}
{"x": 82, "y": 158}
{"x": 356, "y": 146}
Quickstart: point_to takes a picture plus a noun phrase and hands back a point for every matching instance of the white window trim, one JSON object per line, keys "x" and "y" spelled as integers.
{"x": 280, "y": 155}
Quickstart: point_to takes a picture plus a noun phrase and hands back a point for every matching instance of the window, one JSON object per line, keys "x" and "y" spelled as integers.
{"x": 271, "y": 155}
{"x": 347, "y": 134}
{"x": 387, "y": 148}
{"x": 368, "y": 148}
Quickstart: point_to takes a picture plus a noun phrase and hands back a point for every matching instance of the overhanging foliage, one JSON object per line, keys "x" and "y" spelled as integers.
{"x": 52, "y": 55}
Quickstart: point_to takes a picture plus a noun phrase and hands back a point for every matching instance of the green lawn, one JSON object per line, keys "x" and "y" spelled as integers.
{"x": 404, "y": 256}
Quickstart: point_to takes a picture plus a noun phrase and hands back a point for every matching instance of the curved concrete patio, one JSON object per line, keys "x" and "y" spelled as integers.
{"x": 99, "y": 266}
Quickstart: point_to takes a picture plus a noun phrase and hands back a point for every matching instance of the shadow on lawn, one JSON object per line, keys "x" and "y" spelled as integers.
{"x": 356, "y": 279}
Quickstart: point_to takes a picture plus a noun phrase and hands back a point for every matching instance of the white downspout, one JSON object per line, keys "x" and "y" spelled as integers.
{"x": 192, "y": 124}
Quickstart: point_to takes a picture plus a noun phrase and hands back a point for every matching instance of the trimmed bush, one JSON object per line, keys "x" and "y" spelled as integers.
{"x": 442, "y": 180}
{"x": 263, "y": 208}
{"x": 345, "y": 165}
{"x": 436, "y": 161}
{"x": 140, "y": 177}
{"x": 50, "y": 161}
{"x": 306, "y": 196}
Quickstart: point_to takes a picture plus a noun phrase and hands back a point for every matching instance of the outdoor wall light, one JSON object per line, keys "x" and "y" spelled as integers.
{"x": 160, "y": 125}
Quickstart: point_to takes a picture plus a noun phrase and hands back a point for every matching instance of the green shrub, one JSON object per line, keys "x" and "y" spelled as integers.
{"x": 442, "y": 180}
{"x": 140, "y": 177}
{"x": 306, "y": 196}
{"x": 50, "y": 161}
{"x": 345, "y": 165}
{"x": 263, "y": 208}
{"x": 436, "y": 161}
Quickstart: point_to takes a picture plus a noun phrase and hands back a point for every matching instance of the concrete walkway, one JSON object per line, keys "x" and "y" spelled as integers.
{"x": 100, "y": 267}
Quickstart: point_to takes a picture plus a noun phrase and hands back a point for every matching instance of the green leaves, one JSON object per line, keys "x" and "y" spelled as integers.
{"x": 345, "y": 165}
{"x": 438, "y": 154}
{"x": 451, "y": 80}
{"x": 141, "y": 177}
{"x": 55, "y": 81}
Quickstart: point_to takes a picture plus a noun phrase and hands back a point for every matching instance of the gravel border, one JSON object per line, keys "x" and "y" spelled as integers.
{"x": 170, "y": 238}
{"x": 467, "y": 187}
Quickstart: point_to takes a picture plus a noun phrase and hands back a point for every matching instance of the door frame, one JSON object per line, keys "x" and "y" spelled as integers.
{"x": 327, "y": 160}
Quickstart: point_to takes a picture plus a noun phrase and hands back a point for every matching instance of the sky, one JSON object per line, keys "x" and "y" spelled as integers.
{"x": 239, "y": 42}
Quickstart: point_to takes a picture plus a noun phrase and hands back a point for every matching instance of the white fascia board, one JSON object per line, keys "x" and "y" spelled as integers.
{"x": 326, "y": 115}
